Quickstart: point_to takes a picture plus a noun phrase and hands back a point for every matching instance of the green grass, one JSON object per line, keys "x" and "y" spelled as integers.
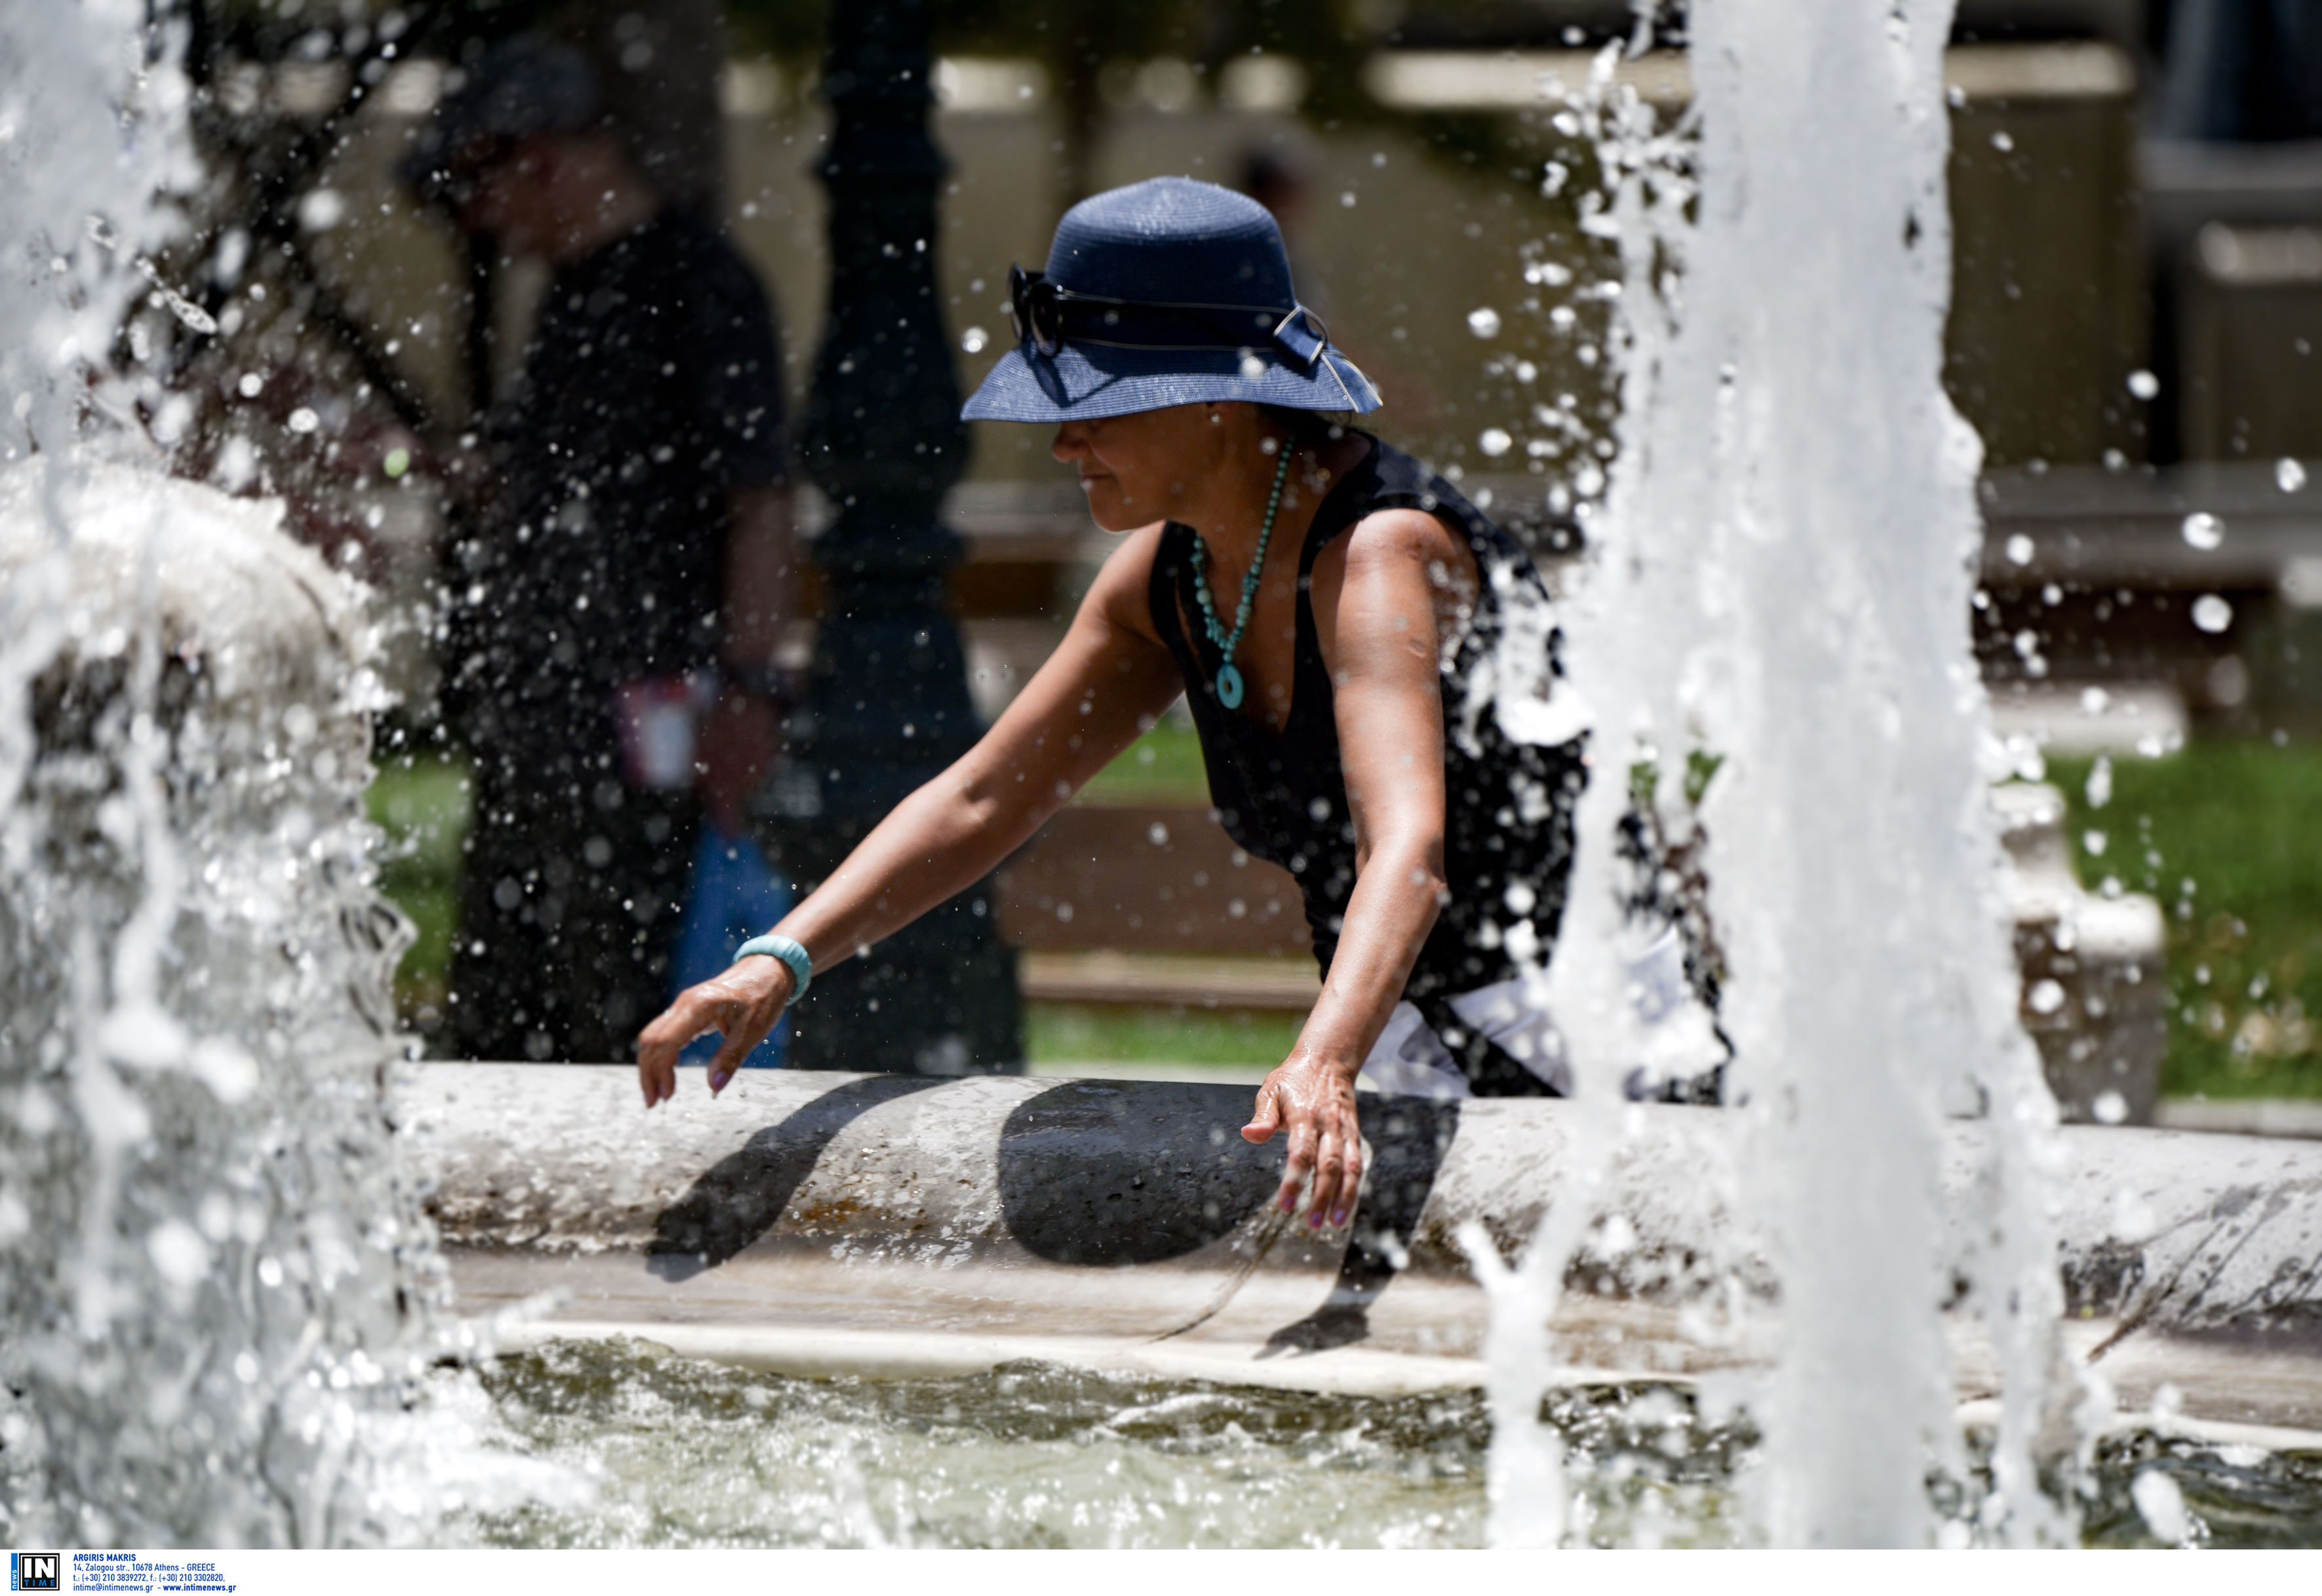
{"x": 2228, "y": 837}
{"x": 421, "y": 805}
{"x": 1162, "y": 766}
{"x": 1088, "y": 1033}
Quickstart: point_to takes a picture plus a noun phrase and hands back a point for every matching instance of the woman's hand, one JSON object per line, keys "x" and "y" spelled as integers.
{"x": 1315, "y": 1100}
{"x": 1106, "y": 683}
{"x": 741, "y": 1005}
{"x": 1376, "y": 598}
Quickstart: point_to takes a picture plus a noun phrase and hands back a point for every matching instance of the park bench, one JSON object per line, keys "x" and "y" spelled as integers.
{"x": 1154, "y": 903}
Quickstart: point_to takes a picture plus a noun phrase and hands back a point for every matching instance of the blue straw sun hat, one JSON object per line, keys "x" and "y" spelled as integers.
{"x": 1166, "y": 292}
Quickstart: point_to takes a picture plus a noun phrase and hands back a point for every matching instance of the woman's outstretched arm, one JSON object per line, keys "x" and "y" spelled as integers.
{"x": 1384, "y": 600}
{"x": 1102, "y": 688}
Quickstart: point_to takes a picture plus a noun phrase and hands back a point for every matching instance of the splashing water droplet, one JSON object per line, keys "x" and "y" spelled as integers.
{"x": 2212, "y": 613}
{"x": 193, "y": 315}
{"x": 1483, "y": 322}
{"x": 1494, "y": 443}
{"x": 2202, "y": 530}
{"x": 2144, "y": 385}
{"x": 322, "y": 210}
{"x": 178, "y": 1254}
{"x": 2020, "y": 550}
{"x": 2289, "y": 474}
{"x": 973, "y": 340}
{"x": 2162, "y": 1505}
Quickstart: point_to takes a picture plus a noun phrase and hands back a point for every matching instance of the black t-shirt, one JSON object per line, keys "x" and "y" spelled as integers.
{"x": 651, "y": 388}
{"x": 1508, "y": 802}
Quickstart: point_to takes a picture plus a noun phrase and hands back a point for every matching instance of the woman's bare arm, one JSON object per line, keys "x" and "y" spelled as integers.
{"x": 1102, "y": 688}
{"x": 1381, "y": 598}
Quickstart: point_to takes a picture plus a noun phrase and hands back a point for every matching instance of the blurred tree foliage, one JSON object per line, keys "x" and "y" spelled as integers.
{"x": 266, "y": 159}
{"x": 1076, "y": 41}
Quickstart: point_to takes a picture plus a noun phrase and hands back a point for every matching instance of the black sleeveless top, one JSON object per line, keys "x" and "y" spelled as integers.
{"x": 1513, "y": 770}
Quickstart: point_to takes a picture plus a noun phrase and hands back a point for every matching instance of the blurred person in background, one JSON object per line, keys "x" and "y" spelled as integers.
{"x": 1279, "y": 176}
{"x": 2240, "y": 70}
{"x": 617, "y": 599}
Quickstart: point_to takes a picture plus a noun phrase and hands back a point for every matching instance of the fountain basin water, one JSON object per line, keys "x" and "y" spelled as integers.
{"x": 817, "y": 1224}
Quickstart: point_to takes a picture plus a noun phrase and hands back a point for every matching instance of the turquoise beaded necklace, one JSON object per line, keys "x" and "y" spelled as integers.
{"x": 1230, "y": 686}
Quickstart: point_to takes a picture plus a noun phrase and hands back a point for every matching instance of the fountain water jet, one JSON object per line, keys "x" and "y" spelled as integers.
{"x": 216, "y": 1282}
{"x": 1796, "y": 496}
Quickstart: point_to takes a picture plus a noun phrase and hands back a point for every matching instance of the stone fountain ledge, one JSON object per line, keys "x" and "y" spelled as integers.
{"x": 820, "y": 1224}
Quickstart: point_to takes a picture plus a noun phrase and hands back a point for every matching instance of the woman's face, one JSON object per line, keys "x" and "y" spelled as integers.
{"x": 1137, "y": 470}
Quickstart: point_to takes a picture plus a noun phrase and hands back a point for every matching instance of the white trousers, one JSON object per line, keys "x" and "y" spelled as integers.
{"x": 1410, "y": 1060}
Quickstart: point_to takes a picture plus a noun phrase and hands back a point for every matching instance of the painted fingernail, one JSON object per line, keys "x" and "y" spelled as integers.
{"x": 717, "y": 1083}
{"x": 1338, "y": 1216}
{"x": 1289, "y": 1205}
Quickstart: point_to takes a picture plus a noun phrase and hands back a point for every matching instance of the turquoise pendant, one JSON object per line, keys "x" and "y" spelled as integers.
{"x": 1229, "y": 688}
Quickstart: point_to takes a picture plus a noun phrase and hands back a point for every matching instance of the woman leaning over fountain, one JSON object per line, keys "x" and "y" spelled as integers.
{"x": 1367, "y": 659}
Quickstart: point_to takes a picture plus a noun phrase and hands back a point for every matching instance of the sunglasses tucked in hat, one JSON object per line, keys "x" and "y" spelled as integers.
{"x": 1166, "y": 292}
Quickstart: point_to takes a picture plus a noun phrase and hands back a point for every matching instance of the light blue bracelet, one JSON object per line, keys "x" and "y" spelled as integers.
{"x": 790, "y": 951}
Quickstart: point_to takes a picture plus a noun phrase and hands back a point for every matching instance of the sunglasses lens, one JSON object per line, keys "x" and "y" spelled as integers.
{"x": 1034, "y": 311}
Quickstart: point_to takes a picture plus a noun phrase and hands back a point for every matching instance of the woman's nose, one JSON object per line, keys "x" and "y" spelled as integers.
{"x": 1071, "y": 441}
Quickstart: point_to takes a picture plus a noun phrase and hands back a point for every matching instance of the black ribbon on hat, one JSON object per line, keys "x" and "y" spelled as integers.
{"x": 1101, "y": 323}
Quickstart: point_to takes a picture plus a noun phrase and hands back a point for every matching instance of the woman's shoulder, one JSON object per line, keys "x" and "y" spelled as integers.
{"x": 1396, "y": 531}
{"x": 1122, "y": 590}
{"x": 1397, "y": 480}
{"x": 1388, "y": 472}
{"x": 1389, "y": 499}
{"x": 1378, "y": 477}
{"x": 1391, "y": 538}
{"x": 1387, "y": 478}
{"x": 1391, "y": 479}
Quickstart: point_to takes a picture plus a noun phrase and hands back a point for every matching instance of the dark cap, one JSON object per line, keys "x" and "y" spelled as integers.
{"x": 526, "y": 87}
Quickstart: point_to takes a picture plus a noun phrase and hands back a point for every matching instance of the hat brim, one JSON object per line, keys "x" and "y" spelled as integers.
{"x": 1085, "y": 382}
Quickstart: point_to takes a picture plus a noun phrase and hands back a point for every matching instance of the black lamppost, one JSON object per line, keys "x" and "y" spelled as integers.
{"x": 886, "y": 704}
